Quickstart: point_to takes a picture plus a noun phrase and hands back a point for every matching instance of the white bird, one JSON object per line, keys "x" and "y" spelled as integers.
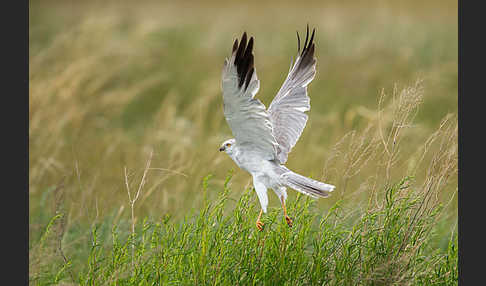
{"x": 263, "y": 138}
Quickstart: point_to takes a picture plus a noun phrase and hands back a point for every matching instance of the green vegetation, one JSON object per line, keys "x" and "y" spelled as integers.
{"x": 126, "y": 119}
{"x": 386, "y": 245}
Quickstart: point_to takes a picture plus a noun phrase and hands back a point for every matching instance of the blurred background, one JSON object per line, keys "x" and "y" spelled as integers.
{"x": 109, "y": 81}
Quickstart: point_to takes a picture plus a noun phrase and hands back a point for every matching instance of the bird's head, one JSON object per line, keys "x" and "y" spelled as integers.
{"x": 227, "y": 146}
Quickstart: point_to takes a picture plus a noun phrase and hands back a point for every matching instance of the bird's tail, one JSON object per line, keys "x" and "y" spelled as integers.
{"x": 306, "y": 185}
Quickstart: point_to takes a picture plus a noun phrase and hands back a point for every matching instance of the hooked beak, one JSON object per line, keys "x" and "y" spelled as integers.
{"x": 221, "y": 149}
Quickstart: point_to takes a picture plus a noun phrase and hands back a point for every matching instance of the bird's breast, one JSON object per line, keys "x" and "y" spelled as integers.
{"x": 250, "y": 161}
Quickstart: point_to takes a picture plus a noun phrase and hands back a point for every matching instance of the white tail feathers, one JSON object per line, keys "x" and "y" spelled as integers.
{"x": 306, "y": 185}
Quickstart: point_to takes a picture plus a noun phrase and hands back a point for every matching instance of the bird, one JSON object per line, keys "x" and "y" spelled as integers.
{"x": 264, "y": 137}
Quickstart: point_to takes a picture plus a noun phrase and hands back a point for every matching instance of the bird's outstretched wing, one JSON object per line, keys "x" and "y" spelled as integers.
{"x": 287, "y": 108}
{"x": 246, "y": 116}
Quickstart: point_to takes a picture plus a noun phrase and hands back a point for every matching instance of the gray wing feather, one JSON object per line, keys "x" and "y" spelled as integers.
{"x": 287, "y": 110}
{"x": 246, "y": 116}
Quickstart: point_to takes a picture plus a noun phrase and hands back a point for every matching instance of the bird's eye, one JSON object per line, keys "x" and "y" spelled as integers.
{"x": 228, "y": 144}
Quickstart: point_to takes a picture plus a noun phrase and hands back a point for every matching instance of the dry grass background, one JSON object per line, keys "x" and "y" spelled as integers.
{"x": 110, "y": 82}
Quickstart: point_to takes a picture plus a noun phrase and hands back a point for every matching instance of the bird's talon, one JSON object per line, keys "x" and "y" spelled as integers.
{"x": 289, "y": 221}
{"x": 260, "y": 225}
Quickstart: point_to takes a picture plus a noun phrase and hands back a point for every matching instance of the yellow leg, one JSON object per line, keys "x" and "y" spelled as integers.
{"x": 260, "y": 224}
{"x": 287, "y": 218}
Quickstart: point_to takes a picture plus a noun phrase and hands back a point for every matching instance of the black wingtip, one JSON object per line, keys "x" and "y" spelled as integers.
{"x": 308, "y": 42}
{"x": 244, "y": 60}
{"x": 312, "y": 37}
{"x": 307, "y": 54}
{"x": 235, "y": 46}
{"x": 298, "y": 42}
{"x": 306, "y": 39}
{"x": 241, "y": 48}
{"x": 249, "y": 48}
